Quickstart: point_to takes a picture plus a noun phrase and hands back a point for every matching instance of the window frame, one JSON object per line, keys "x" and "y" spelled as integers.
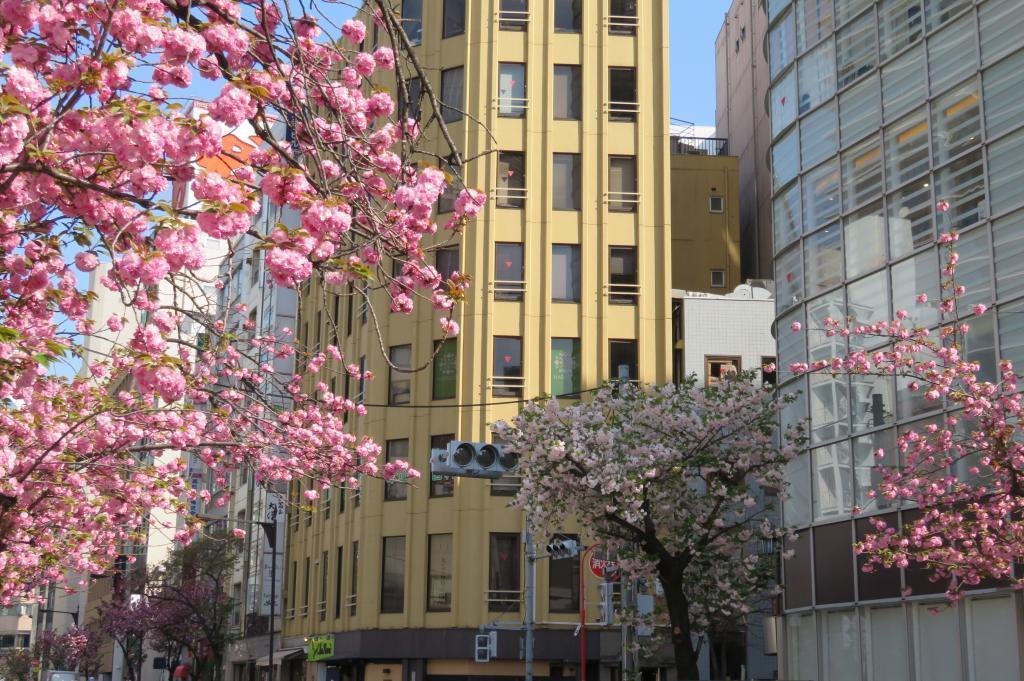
{"x": 450, "y": 112}
{"x": 573, "y": 275}
{"x": 576, "y": 7}
{"x": 446, "y": 606}
{"x": 441, "y": 486}
{"x": 393, "y": 603}
{"x": 574, "y": 201}
{"x": 613, "y": 373}
{"x": 573, "y": 103}
{"x": 441, "y": 347}
{"x": 393, "y": 381}
{"x": 445, "y": 16}
{"x": 395, "y": 489}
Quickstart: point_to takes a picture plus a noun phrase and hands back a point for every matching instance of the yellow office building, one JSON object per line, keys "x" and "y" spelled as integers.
{"x": 571, "y": 286}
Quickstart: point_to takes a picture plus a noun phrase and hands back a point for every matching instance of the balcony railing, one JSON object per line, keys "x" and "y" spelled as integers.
{"x": 623, "y": 24}
{"x": 510, "y": 197}
{"x": 499, "y": 600}
{"x": 623, "y": 294}
{"x": 622, "y": 202}
{"x": 513, "y": 20}
{"x": 508, "y": 386}
{"x": 512, "y": 107}
{"x": 509, "y": 290}
{"x": 321, "y": 610}
{"x": 622, "y": 111}
{"x": 700, "y": 146}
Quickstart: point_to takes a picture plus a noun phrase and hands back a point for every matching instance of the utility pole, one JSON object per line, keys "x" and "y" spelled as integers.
{"x": 531, "y": 574}
{"x": 270, "y": 532}
{"x": 628, "y": 631}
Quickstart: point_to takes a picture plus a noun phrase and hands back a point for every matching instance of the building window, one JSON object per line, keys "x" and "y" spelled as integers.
{"x": 717, "y": 368}
{"x": 399, "y": 381}
{"x": 856, "y": 53}
{"x": 511, "y": 189}
{"x": 361, "y": 381}
{"x": 622, "y": 277}
{"x": 305, "y": 590}
{"x": 446, "y": 261}
{"x": 291, "y": 598}
{"x": 568, "y": 90}
{"x": 622, "y": 17}
{"x": 397, "y": 488}
{"x": 454, "y": 22}
{"x": 337, "y": 581}
{"x": 716, "y": 204}
{"x": 354, "y": 586}
{"x": 452, "y": 170}
{"x": 439, "y": 573}
{"x": 411, "y": 106}
{"x": 564, "y": 582}
{"x": 511, "y": 89}
{"x": 565, "y": 366}
{"x": 412, "y": 20}
{"x": 568, "y": 16}
{"x": 622, "y": 185}
{"x": 508, "y": 366}
{"x": 441, "y": 485}
{"x": 622, "y": 95}
{"x": 322, "y": 606}
{"x": 451, "y": 94}
{"x": 622, "y": 360}
{"x": 565, "y": 182}
{"x": 769, "y": 371}
{"x": 445, "y": 369}
{"x": 513, "y": 15}
{"x": 717, "y": 278}
{"x": 503, "y": 573}
{"x": 565, "y": 273}
{"x": 392, "y": 582}
{"x": 508, "y": 282}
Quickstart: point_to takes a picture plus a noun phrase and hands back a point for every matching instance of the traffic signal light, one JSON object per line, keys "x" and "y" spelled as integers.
{"x": 473, "y": 460}
{"x": 486, "y": 646}
{"x": 563, "y": 548}
{"x": 607, "y": 591}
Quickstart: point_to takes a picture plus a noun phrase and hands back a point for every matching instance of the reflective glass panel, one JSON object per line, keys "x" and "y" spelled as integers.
{"x": 1008, "y": 244}
{"x": 960, "y": 193}
{"x": 910, "y": 217}
{"x": 952, "y": 54}
{"x": 789, "y": 279}
{"x": 813, "y": 22}
{"x": 783, "y": 98}
{"x": 1005, "y": 172}
{"x": 899, "y": 25}
{"x": 862, "y": 172}
{"x": 821, "y": 195}
{"x": 819, "y": 136}
{"x": 782, "y": 45}
{"x": 1004, "y": 94}
{"x": 785, "y": 161}
{"x": 817, "y": 76}
{"x": 865, "y": 240}
{"x": 786, "y": 209}
{"x": 860, "y": 110}
{"x": 956, "y": 121}
{"x": 823, "y": 259}
{"x": 1002, "y": 24}
{"x": 906, "y": 148}
{"x": 855, "y": 50}
{"x": 903, "y": 83}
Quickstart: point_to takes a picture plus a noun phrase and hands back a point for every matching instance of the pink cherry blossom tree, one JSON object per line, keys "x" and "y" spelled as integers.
{"x": 74, "y": 649}
{"x": 93, "y": 134}
{"x": 668, "y": 478}
{"x": 963, "y": 469}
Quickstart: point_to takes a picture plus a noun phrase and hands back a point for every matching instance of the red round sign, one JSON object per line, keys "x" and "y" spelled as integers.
{"x": 604, "y": 568}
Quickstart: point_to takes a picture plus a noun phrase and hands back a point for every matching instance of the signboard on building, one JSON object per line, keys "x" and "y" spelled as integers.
{"x": 603, "y": 568}
{"x": 320, "y": 647}
{"x": 274, "y": 512}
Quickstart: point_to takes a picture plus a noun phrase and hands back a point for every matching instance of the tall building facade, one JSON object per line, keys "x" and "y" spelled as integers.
{"x": 741, "y": 88}
{"x": 571, "y": 287}
{"x": 891, "y": 122}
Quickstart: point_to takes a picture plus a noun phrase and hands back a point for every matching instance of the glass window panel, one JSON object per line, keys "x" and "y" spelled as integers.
{"x": 786, "y": 209}
{"x": 622, "y": 276}
{"x": 622, "y": 184}
{"x": 452, "y": 94}
{"x": 1008, "y": 244}
{"x": 447, "y": 261}
{"x": 938, "y": 12}
{"x": 392, "y": 589}
{"x": 503, "y": 574}
{"x": 802, "y": 648}
{"x": 775, "y": 7}
{"x": 565, "y": 366}
{"x": 792, "y": 346}
{"x": 993, "y": 627}
{"x": 441, "y": 485}
{"x": 886, "y": 643}
{"x": 834, "y": 579}
{"x": 832, "y": 481}
{"x": 565, "y": 273}
{"x": 865, "y": 240}
{"x": 412, "y": 107}
{"x": 960, "y": 193}
{"x": 872, "y": 402}
{"x": 508, "y": 364}
{"x": 785, "y": 161}
{"x": 795, "y": 412}
{"x": 866, "y": 474}
{"x": 412, "y": 20}
{"x": 937, "y": 642}
{"x": 511, "y": 89}
{"x": 781, "y": 45}
{"x": 454, "y": 21}
{"x": 1002, "y": 24}
{"x": 829, "y": 407}
{"x": 817, "y": 76}
{"x": 511, "y": 190}
{"x": 1004, "y": 94}
{"x": 783, "y": 100}
{"x": 846, "y": 10}
{"x": 867, "y": 302}
{"x": 622, "y": 90}
{"x": 906, "y": 149}
{"x": 813, "y": 22}
{"x": 508, "y": 266}
{"x": 564, "y": 582}
{"x": 568, "y": 16}
{"x": 956, "y": 122}
{"x": 903, "y": 83}
{"x": 789, "y": 278}
{"x": 445, "y": 370}
{"x": 399, "y": 381}
{"x": 515, "y": 15}
{"x": 622, "y": 356}
{"x": 819, "y": 136}
{"x": 951, "y": 54}
{"x": 1011, "y": 335}
{"x": 1005, "y": 171}
{"x": 823, "y": 259}
{"x": 910, "y": 218}
{"x": 911, "y": 277}
{"x": 797, "y": 505}
{"x": 798, "y": 581}
{"x": 439, "y": 573}
{"x": 862, "y": 172}
{"x": 980, "y": 345}
{"x": 974, "y": 271}
{"x": 860, "y": 110}
{"x": 565, "y": 182}
{"x": 842, "y": 649}
{"x": 567, "y": 92}
{"x": 855, "y": 50}
{"x": 397, "y": 488}
{"x": 821, "y": 195}
{"x": 820, "y": 345}
{"x": 899, "y": 25}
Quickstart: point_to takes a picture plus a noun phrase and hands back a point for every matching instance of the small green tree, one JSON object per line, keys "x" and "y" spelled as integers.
{"x": 16, "y": 665}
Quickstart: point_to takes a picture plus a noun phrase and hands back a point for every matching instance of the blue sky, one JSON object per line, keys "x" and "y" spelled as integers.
{"x": 693, "y": 28}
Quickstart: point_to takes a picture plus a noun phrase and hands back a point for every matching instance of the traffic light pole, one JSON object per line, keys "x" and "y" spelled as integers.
{"x": 531, "y": 576}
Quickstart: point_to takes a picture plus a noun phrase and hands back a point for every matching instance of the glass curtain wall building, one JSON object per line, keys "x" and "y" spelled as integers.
{"x": 892, "y": 122}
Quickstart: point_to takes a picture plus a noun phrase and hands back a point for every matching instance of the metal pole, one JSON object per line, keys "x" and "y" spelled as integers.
{"x": 628, "y": 603}
{"x": 583, "y": 614}
{"x": 531, "y": 569}
{"x": 270, "y": 531}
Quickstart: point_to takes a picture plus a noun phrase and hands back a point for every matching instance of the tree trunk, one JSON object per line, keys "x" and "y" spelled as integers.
{"x": 679, "y": 616}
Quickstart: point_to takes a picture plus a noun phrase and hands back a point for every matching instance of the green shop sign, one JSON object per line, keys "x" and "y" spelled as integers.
{"x": 320, "y": 647}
